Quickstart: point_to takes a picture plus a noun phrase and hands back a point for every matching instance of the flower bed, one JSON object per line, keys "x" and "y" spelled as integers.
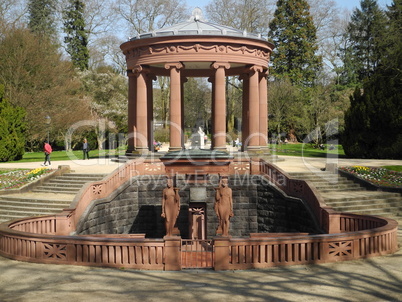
{"x": 377, "y": 176}
{"x": 14, "y": 179}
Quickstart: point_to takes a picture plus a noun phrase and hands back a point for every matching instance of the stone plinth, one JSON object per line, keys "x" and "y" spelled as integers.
{"x": 197, "y": 162}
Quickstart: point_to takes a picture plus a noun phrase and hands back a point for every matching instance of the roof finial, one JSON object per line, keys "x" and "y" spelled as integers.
{"x": 197, "y": 14}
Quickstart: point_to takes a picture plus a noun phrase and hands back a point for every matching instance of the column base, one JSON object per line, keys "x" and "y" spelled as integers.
{"x": 224, "y": 149}
{"x": 255, "y": 150}
{"x": 172, "y": 149}
{"x": 138, "y": 152}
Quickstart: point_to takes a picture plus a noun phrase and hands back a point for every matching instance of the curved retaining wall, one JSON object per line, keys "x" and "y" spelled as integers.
{"x": 34, "y": 240}
{"x": 46, "y": 240}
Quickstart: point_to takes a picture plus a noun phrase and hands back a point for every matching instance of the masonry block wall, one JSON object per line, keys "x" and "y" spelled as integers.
{"x": 136, "y": 208}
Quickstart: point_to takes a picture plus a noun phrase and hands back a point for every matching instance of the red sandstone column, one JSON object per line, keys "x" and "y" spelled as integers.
{"x": 219, "y": 110}
{"x": 141, "y": 136}
{"x": 254, "y": 106}
{"x": 132, "y": 87}
{"x": 141, "y": 110}
{"x": 175, "y": 106}
{"x": 245, "y": 112}
{"x": 183, "y": 80}
{"x": 263, "y": 110}
{"x": 150, "y": 109}
{"x": 212, "y": 80}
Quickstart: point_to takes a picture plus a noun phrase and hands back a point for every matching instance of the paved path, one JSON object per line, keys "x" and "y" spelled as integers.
{"x": 375, "y": 279}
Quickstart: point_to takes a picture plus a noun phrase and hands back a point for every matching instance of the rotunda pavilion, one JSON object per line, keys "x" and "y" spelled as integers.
{"x": 197, "y": 48}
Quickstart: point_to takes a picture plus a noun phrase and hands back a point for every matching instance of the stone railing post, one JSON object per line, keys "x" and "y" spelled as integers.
{"x": 330, "y": 220}
{"x": 172, "y": 253}
{"x": 255, "y": 166}
{"x": 65, "y": 223}
{"x": 222, "y": 253}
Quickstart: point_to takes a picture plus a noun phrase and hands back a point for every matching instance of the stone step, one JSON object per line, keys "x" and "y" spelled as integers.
{"x": 348, "y": 208}
{"x": 83, "y": 177}
{"x": 384, "y": 212}
{"x": 5, "y": 217}
{"x": 36, "y": 199}
{"x": 316, "y": 173}
{"x": 62, "y": 181}
{"x": 358, "y": 195}
{"x": 29, "y": 210}
{"x": 59, "y": 185}
{"x": 340, "y": 203}
{"x": 340, "y": 181}
{"x": 345, "y": 190}
{"x": 43, "y": 189}
{"x": 337, "y": 186}
{"x": 44, "y": 204}
{"x": 69, "y": 183}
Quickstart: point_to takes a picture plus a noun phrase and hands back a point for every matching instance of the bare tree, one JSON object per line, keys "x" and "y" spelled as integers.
{"x": 146, "y": 16}
{"x": 12, "y": 12}
{"x": 250, "y": 15}
{"x": 331, "y": 27}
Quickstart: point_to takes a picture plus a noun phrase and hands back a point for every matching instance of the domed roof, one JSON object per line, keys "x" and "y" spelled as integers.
{"x": 196, "y": 25}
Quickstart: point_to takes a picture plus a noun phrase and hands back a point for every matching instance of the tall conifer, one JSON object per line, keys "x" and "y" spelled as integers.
{"x": 76, "y": 35}
{"x": 295, "y": 37}
{"x": 42, "y": 17}
{"x": 365, "y": 44}
{"x": 374, "y": 120}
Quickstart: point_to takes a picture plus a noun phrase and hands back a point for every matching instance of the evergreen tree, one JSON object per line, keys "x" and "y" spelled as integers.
{"x": 364, "y": 38}
{"x": 373, "y": 122}
{"x": 295, "y": 36}
{"x": 12, "y": 130}
{"x": 76, "y": 35}
{"x": 42, "y": 17}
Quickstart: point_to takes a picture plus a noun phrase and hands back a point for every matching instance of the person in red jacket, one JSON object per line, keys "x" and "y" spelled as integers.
{"x": 47, "y": 149}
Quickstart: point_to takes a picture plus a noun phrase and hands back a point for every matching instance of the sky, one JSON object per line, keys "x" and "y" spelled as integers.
{"x": 348, "y": 4}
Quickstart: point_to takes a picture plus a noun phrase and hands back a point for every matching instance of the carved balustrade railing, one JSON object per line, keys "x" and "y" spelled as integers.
{"x": 34, "y": 240}
{"x": 266, "y": 250}
{"x": 46, "y": 239}
{"x": 101, "y": 189}
{"x": 27, "y": 241}
{"x": 300, "y": 189}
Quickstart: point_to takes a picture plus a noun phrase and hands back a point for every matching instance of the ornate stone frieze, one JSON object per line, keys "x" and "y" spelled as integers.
{"x": 207, "y": 48}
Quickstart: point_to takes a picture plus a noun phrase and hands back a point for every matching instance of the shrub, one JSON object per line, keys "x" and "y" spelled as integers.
{"x": 12, "y": 130}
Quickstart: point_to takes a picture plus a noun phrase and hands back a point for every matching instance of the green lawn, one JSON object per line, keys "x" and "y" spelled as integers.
{"x": 283, "y": 149}
{"x": 63, "y": 155}
{"x": 305, "y": 150}
{"x": 394, "y": 168}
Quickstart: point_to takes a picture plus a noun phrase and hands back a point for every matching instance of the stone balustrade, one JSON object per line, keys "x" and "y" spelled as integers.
{"x": 47, "y": 239}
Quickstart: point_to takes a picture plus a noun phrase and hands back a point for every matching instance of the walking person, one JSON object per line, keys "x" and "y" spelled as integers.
{"x": 47, "y": 149}
{"x": 85, "y": 149}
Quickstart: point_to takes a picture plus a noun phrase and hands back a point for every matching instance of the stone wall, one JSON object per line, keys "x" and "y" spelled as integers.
{"x": 136, "y": 208}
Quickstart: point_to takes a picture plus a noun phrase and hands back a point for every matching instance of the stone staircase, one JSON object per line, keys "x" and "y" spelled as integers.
{"x": 51, "y": 197}
{"x": 69, "y": 183}
{"x": 347, "y": 196}
{"x": 15, "y": 206}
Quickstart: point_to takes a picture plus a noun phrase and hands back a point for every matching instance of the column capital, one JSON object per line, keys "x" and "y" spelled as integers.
{"x": 254, "y": 68}
{"x": 264, "y": 73}
{"x": 177, "y": 65}
{"x": 217, "y": 65}
{"x": 138, "y": 69}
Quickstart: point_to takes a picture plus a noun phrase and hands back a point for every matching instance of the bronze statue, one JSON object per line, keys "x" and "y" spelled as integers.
{"x": 170, "y": 206}
{"x": 223, "y": 207}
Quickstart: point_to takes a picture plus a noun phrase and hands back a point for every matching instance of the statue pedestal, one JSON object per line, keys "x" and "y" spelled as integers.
{"x": 172, "y": 253}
